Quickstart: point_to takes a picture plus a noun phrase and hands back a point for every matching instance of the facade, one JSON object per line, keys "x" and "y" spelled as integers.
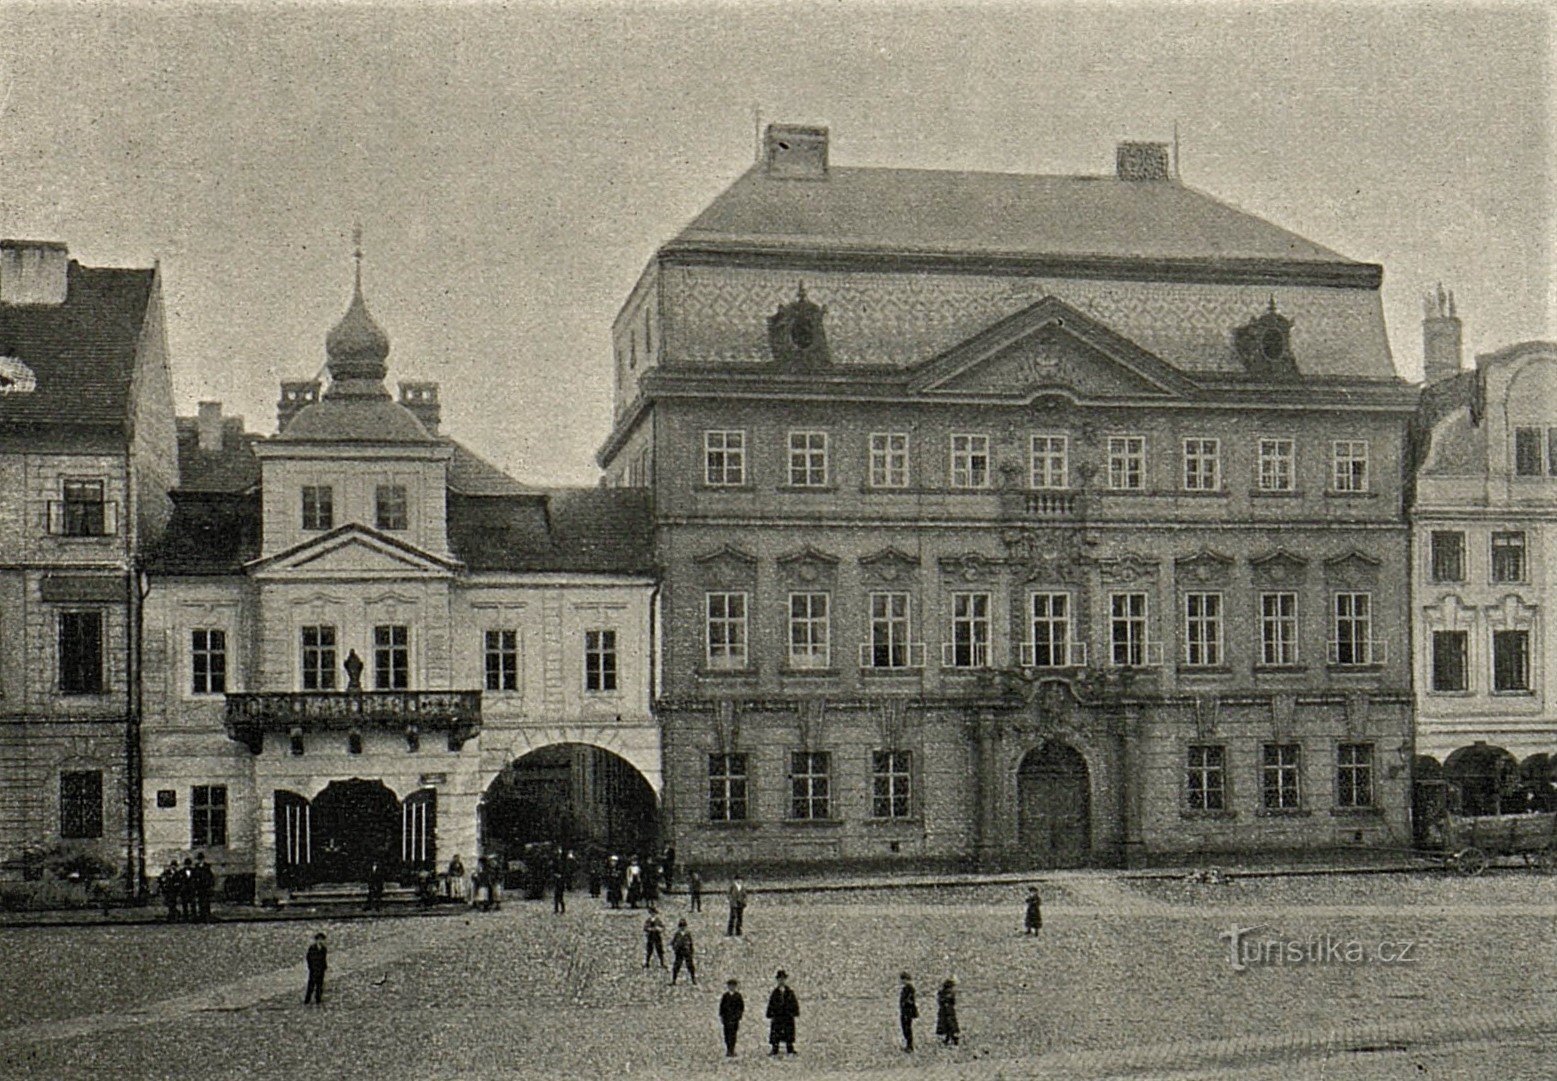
{"x": 86, "y": 458}
{"x": 1016, "y": 520}
{"x": 1484, "y": 528}
{"x": 357, "y": 631}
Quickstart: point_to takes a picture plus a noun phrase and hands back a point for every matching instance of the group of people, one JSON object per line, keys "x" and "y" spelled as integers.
{"x": 187, "y": 890}
{"x": 784, "y": 1009}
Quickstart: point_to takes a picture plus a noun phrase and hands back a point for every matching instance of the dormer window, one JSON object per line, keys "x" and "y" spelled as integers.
{"x": 85, "y": 511}
{"x": 318, "y": 506}
{"x": 390, "y": 503}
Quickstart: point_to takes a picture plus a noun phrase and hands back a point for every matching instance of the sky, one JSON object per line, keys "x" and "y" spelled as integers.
{"x": 515, "y": 166}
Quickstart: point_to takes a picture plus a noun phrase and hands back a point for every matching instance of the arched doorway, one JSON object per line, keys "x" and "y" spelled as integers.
{"x": 1484, "y": 777}
{"x": 1054, "y": 807}
{"x": 355, "y": 823}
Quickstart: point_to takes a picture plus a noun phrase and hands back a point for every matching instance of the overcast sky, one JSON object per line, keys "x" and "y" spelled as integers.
{"x": 514, "y": 167}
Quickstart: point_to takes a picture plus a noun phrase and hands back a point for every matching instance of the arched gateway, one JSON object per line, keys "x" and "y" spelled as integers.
{"x": 339, "y": 834}
{"x": 577, "y": 795}
{"x": 1054, "y": 807}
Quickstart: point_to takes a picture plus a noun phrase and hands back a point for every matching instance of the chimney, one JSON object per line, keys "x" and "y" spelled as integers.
{"x": 209, "y": 427}
{"x": 295, "y": 397}
{"x": 1441, "y": 352}
{"x": 422, "y": 400}
{"x": 1142, "y": 161}
{"x": 33, "y": 271}
{"x": 795, "y": 152}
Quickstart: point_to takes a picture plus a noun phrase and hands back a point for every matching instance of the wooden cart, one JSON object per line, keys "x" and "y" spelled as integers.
{"x": 1468, "y": 843}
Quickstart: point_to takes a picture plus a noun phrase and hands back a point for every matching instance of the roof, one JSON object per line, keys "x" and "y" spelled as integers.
{"x": 82, "y": 352}
{"x": 601, "y": 530}
{"x": 471, "y": 474}
{"x": 210, "y": 533}
{"x": 233, "y": 468}
{"x": 355, "y": 420}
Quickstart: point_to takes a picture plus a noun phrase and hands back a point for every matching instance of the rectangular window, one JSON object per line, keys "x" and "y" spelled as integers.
{"x": 1280, "y": 773}
{"x": 809, "y": 630}
{"x": 81, "y": 652}
{"x": 1050, "y": 462}
{"x": 891, "y": 784}
{"x": 889, "y": 630}
{"x": 1127, "y": 626}
{"x": 1207, "y": 777}
{"x": 208, "y": 816}
{"x": 1203, "y": 629}
{"x": 1510, "y": 661}
{"x": 727, "y": 788}
{"x": 1354, "y": 775}
{"x": 600, "y": 661}
{"x": 1349, "y": 465}
{"x": 1202, "y": 465}
{"x": 1127, "y": 462}
{"x": 1278, "y": 629}
{"x": 208, "y": 661}
{"x": 501, "y": 649}
{"x": 726, "y": 630}
{"x": 391, "y": 657}
{"x": 1451, "y": 660}
{"x": 810, "y": 797}
{"x": 1508, "y": 557}
{"x": 81, "y": 804}
{"x": 1351, "y": 643}
{"x": 85, "y": 509}
{"x": 318, "y": 658}
{"x": 970, "y": 461}
{"x": 1050, "y": 630}
{"x": 808, "y": 459}
{"x": 889, "y": 460}
{"x": 724, "y": 458}
{"x": 970, "y": 631}
{"x": 318, "y": 506}
{"x": 390, "y": 507}
{"x": 1527, "y": 452}
{"x": 1448, "y": 556}
{"x": 1276, "y": 472}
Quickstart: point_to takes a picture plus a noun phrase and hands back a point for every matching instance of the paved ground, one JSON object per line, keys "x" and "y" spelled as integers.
{"x": 1348, "y": 978}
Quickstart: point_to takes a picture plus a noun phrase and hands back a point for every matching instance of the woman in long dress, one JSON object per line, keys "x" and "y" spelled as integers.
{"x": 456, "y": 881}
{"x": 946, "y": 1026}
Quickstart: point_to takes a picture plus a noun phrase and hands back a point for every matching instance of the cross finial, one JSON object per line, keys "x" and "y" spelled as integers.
{"x": 356, "y": 244}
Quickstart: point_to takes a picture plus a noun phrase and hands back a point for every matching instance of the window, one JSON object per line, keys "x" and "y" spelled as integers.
{"x": 208, "y": 661}
{"x": 970, "y": 461}
{"x": 391, "y": 657}
{"x": 970, "y": 631}
{"x": 600, "y": 661}
{"x": 502, "y": 660}
{"x": 1279, "y": 776}
{"x": 891, "y": 784}
{"x": 208, "y": 816}
{"x": 318, "y": 506}
{"x": 1448, "y": 556}
{"x": 889, "y": 630}
{"x": 1527, "y": 452}
{"x": 727, "y": 630}
{"x": 319, "y": 658}
{"x": 1050, "y": 462}
{"x": 809, "y": 798}
{"x": 727, "y": 788}
{"x": 1128, "y": 628}
{"x": 889, "y": 460}
{"x": 1202, "y": 465}
{"x": 809, "y": 630}
{"x": 1050, "y": 630}
{"x": 1451, "y": 654}
{"x": 808, "y": 459}
{"x": 1207, "y": 776}
{"x": 1353, "y": 624}
{"x": 1127, "y": 462}
{"x": 1510, "y": 661}
{"x": 1278, "y": 629}
{"x": 724, "y": 458}
{"x": 1203, "y": 629}
{"x": 1276, "y": 472}
{"x": 1354, "y": 775}
{"x": 81, "y": 804}
{"x": 1349, "y": 462}
{"x": 1508, "y": 557}
{"x": 81, "y": 652}
{"x": 390, "y": 503}
{"x": 85, "y": 509}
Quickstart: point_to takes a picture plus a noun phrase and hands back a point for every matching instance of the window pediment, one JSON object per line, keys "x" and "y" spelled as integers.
{"x": 1279, "y": 567}
{"x": 1203, "y": 567}
{"x": 889, "y": 565}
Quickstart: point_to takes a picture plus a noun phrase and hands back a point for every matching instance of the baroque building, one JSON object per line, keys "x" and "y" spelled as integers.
{"x": 1016, "y": 520}
{"x": 364, "y": 643}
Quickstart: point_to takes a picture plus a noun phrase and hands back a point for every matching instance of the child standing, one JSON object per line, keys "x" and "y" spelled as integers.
{"x": 681, "y": 949}
{"x": 653, "y": 938}
{"x": 318, "y": 961}
{"x": 1033, "y": 922}
{"x": 731, "y": 1007}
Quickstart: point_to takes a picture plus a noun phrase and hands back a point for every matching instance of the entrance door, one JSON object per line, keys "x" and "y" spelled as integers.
{"x": 294, "y": 839}
{"x": 355, "y": 823}
{"x": 1054, "y": 807}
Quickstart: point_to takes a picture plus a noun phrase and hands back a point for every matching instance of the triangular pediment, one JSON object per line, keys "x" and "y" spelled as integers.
{"x": 354, "y": 551}
{"x": 1050, "y": 348}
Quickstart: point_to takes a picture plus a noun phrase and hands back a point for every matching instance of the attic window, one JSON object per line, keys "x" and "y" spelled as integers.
{"x": 16, "y": 377}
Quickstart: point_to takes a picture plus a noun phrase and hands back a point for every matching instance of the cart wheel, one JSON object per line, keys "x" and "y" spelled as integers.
{"x": 1472, "y": 861}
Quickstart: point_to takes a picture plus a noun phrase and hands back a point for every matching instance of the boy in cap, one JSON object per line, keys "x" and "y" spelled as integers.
{"x": 653, "y": 937}
{"x": 907, "y": 1010}
{"x": 318, "y": 961}
{"x": 681, "y": 948}
{"x": 731, "y": 1007}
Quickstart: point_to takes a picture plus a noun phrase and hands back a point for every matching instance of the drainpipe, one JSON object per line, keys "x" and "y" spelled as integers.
{"x": 135, "y": 855}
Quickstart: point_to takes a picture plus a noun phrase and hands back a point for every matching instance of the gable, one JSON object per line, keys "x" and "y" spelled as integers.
{"x": 353, "y": 551}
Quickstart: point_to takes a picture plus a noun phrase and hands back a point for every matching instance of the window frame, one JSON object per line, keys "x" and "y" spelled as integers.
{"x": 1126, "y": 455}
{"x": 891, "y": 784}
{"x": 1060, "y": 650}
{"x": 1529, "y": 448}
{"x": 208, "y": 816}
{"x": 83, "y": 517}
{"x": 94, "y": 668}
{"x": 810, "y": 788}
{"x": 602, "y": 663}
{"x": 388, "y": 498}
{"x": 1353, "y": 657}
{"x": 1274, "y": 777}
{"x": 1503, "y": 545}
{"x": 391, "y": 657}
{"x": 730, "y": 651}
{"x": 1445, "y": 561}
{"x": 1521, "y": 661}
{"x": 1203, "y": 631}
{"x": 80, "y": 814}
{"x": 1275, "y": 461}
{"x": 889, "y": 622}
{"x": 811, "y": 648}
{"x": 724, "y": 781}
{"x": 1355, "y": 775}
{"x": 500, "y": 660}
{"x": 1199, "y": 792}
{"x": 883, "y": 466}
{"x": 1136, "y": 652}
{"x": 324, "y": 677}
{"x": 1356, "y": 477}
{"x": 1433, "y": 656}
{"x": 1202, "y": 466}
{"x": 210, "y": 645}
{"x": 978, "y": 653}
{"x": 731, "y": 457}
{"x": 318, "y": 508}
{"x": 1054, "y": 459}
{"x": 963, "y": 470}
{"x": 1284, "y": 623}
{"x": 813, "y": 471}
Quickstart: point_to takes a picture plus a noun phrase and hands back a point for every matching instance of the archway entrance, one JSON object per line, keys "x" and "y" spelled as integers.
{"x": 1054, "y": 807}
{"x": 341, "y": 832}
{"x": 1485, "y": 777}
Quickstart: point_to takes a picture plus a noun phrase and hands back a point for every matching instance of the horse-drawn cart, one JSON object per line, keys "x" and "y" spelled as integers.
{"x": 1468, "y": 843}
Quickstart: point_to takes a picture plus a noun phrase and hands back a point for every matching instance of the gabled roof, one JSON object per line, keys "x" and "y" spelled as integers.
{"x": 210, "y": 533}
{"x": 601, "y": 530}
{"x": 233, "y": 468}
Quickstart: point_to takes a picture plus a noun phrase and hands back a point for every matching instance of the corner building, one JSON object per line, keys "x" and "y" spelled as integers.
{"x": 1016, "y": 521}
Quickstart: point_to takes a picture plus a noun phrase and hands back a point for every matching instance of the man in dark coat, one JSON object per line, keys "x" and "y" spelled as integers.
{"x": 737, "y": 907}
{"x": 681, "y": 951}
{"x": 653, "y": 938}
{"x": 731, "y": 1007}
{"x": 559, "y": 890}
{"x": 318, "y": 961}
{"x": 695, "y": 890}
{"x": 375, "y": 885}
{"x": 186, "y": 889}
{"x": 946, "y": 1026}
{"x": 668, "y": 864}
{"x": 783, "y": 1008}
{"x": 907, "y": 1010}
{"x": 167, "y": 883}
{"x": 1032, "y": 923}
{"x": 205, "y": 886}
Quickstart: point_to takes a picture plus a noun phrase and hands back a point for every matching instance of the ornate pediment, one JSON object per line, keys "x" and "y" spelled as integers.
{"x": 1264, "y": 344}
{"x": 1128, "y": 568}
{"x": 1203, "y": 567}
{"x": 1279, "y": 567}
{"x": 1044, "y": 555}
{"x": 795, "y": 333}
{"x": 1511, "y": 613}
{"x": 353, "y": 551}
{"x": 1351, "y": 568}
{"x": 889, "y": 565}
{"x": 727, "y": 565}
{"x": 1449, "y": 613}
{"x": 808, "y": 564}
{"x": 969, "y": 567}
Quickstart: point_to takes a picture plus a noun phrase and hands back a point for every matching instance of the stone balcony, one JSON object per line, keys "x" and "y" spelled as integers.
{"x": 1055, "y": 505}
{"x": 250, "y": 716}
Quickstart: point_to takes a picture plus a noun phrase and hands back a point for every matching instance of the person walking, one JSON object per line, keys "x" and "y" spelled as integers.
{"x": 731, "y": 1007}
{"x": 559, "y": 890}
{"x": 318, "y": 961}
{"x": 167, "y": 885}
{"x": 783, "y": 1008}
{"x": 1032, "y": 922}
{"x": 946, "y": 1026}
{"x": 737, "y": 907}
{"x": 653, "y": 938}
{"x": 681, "y": 952}
{"x": 907, "y": 1010}
{"x": 205, "y": 886}
{"x": 695, "y": 890}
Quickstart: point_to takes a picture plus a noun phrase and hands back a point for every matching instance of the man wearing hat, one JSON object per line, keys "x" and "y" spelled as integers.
{"x": 783, "y": 1008}
{"x": 731, "y": 1007}
{"x": 907, "y": 1010}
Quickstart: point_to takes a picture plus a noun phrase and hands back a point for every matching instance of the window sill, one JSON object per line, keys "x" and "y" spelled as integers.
{"x": 726, "y": 673}
{"x": 1189, "y": 814}
{"x": 1205, "y": 670}
{"x": 813, "y": 823}
{"x": 1356, "y": 812}
{"x": 1279, "y": 669}
{"x": 732, "y": 824}
{"x": 1283, "y": 812}
{"x": 1354, "y": 669}
{"x": 964, "y": 671}
{"x": 809, "y": 673}
{"x": 891, "y": 673}
{"x": 706, "y": 487}
{"x": 602, "y": 696}
{"x": 1509, "y": 582}
{"x": 1275, "y": 493}
{"x": 1466, "y": 693}
{"x": 1204, "y": 493}
{"x": 1513, "y": 694}
{"x": 1448, "y": 581}
{"x": 887, "y": 823}
{"x": 1332, "y": 494}
{"x": 819, "y": 489}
